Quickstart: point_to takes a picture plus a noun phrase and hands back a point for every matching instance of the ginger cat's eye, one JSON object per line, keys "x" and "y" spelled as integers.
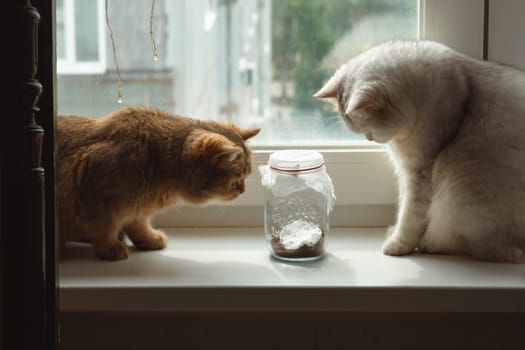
{"x": 235, "y": 184}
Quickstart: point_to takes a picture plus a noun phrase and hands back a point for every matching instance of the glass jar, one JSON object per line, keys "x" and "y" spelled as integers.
{"x": 299, "y": 196}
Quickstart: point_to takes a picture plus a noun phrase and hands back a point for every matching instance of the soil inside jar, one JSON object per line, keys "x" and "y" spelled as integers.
{"x": 304, "y": 251}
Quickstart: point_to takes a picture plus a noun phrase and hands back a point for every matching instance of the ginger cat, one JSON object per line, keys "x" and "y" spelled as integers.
{"x": 116, "y": 172}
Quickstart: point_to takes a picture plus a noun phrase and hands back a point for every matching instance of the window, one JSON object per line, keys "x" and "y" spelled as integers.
{"x": 258, "y": 63}
{"x": 505, "y": 26}
{"x": 255, "y": 62}
{"x": 363, "y": 182}
{"x": 80, "y": 35}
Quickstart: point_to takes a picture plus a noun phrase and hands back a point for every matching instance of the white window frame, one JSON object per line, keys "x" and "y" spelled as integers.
{"x": 364, "y": 180}
{"x": 505, "y": 32}
{"x": 69, "y": 64}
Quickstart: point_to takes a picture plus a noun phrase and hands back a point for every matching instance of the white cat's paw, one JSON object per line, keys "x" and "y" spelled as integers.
{"x": 394, "y": 246}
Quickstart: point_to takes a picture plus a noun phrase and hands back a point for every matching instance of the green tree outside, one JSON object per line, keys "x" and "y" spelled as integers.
{"x": 304, "y": 31}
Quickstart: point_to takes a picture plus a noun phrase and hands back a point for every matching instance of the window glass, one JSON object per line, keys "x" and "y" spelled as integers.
{"x": 254, "y": 62}
{"x": 86, "y": 23}
{"x": 60, "y": 29}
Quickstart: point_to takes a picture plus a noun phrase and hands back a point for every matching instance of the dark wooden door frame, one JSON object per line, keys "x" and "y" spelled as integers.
{"x": 29, "y": 285}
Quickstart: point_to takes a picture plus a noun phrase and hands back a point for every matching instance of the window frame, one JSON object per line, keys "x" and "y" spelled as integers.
{"x": 70, "y": 65}
{"x": 79, "y": 297}
{"x": 363, "y": 176}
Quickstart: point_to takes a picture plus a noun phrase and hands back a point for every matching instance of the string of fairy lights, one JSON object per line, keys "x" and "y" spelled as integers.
{"x": 113, "y": 46}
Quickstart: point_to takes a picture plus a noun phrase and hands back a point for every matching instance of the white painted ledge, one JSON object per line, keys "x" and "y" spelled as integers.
{"x": 229, "y": 269}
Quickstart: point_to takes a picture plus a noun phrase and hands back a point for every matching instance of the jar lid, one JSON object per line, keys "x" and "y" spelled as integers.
{"x": 295, "y": 160}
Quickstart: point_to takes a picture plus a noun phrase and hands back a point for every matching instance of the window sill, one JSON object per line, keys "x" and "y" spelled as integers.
{"x": 229, "y": 269}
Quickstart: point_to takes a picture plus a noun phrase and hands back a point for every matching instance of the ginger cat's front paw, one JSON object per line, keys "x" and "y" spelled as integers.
{"x": 153, "y": 240}
{"x": 117, "y": 250}
{"x": 394, "y": 246}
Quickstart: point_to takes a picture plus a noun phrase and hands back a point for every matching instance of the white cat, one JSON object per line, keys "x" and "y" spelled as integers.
{"x": 455, "y": 130}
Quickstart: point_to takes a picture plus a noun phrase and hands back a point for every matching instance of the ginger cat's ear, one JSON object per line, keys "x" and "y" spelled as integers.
{"x": 227, "y": 155}
{"x": 248, "y": 133}
{"x": 329, "y": 90}
{"x": 211, "y": 146}
{"x": 245, "y": 133}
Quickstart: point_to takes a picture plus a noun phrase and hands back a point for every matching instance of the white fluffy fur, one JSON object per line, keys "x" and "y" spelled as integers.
{"x": 455, "y": 130}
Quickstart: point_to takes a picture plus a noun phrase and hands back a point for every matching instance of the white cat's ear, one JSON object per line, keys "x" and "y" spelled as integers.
{"x": 360, "y": 100}
{"x": 329, "y": 90}
{"x": 357, "y": 101}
